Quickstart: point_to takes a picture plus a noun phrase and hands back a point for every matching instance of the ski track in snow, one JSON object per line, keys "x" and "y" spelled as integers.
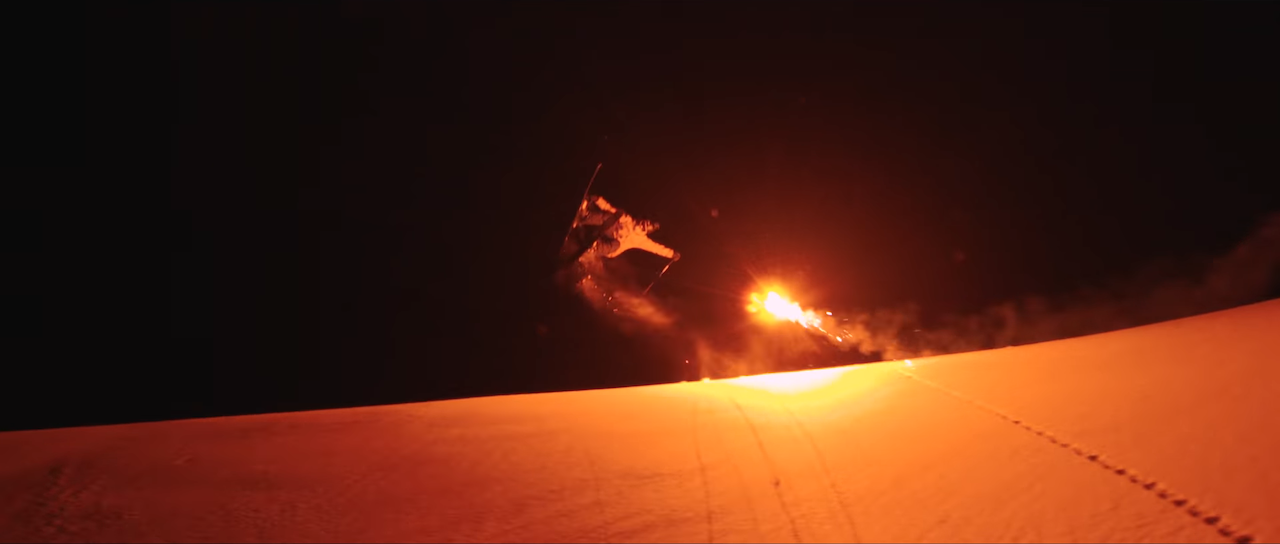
{"x": 773, "y": 470}
{"x": 826, "y": 470}
{"x": 69, "y": 505}
{"x": 702, "y": 471}
{"x": 741, "y": 482}
{"x": 1230, "y": 532}
{"x": 606, "y": 537}
{"x": 62, "y": 501}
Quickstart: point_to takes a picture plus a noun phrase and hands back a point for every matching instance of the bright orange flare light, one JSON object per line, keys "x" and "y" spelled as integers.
{"x": 780, "y": 308}
{"x": 783, "y": 309}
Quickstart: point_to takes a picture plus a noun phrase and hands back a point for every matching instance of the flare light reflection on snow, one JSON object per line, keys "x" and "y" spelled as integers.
{"x": 791, "y": 383}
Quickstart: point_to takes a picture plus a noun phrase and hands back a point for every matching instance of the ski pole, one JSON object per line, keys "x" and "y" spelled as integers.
{"x": 655, "y": 280}
{"x": 584, "y": 197}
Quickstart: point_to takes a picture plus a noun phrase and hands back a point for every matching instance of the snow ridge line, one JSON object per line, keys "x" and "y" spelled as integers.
{"x": 773, "y": 470}
{"x": 826, "y": 470}
{"x": 1232, "y": 533}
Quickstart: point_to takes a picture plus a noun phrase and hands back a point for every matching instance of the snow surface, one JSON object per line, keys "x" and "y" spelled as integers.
{"x": 1159, "y": 433}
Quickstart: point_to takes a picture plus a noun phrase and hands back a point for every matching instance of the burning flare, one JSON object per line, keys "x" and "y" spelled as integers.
{"x": 780, "y": 308}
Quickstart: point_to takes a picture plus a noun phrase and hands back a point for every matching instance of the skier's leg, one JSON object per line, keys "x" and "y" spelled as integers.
{"x": 605, "y": 246}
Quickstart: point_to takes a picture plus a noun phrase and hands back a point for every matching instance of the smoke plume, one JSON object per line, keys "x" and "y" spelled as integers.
{"x": 1246, "y": 274}
{"x": 745, "y": 352}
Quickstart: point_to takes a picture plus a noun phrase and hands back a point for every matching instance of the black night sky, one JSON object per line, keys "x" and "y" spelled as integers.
{"x": 366, "y": 199}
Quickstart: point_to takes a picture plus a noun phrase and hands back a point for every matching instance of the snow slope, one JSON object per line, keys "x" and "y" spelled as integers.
{"x": 1160, "y": 433}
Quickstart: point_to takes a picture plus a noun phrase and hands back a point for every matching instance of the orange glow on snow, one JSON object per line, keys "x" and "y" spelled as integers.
{"x": 790, "y": 383}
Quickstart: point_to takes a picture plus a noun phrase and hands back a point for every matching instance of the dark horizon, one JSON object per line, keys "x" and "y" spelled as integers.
{"x": 367, "y": 199}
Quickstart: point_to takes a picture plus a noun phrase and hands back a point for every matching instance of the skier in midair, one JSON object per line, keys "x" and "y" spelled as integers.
{"x": 601, "y": 230}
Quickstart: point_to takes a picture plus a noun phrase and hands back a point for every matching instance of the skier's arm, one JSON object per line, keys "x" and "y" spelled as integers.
{"x": 603, "y": 204}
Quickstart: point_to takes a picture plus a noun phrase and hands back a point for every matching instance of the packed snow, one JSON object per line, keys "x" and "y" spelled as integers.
{"x": 1160, "y": 433}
